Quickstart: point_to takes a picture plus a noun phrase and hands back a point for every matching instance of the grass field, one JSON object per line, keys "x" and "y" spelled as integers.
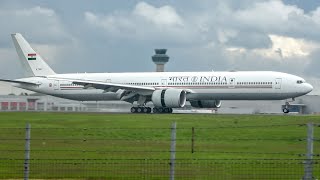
{"x": 73, "y": 137}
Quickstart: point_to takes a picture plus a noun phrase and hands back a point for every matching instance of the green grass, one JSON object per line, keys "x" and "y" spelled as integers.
{"x": 89, "y": 143}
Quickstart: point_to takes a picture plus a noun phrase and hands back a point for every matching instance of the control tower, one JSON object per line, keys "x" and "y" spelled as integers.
{"x": 160, "y": 59}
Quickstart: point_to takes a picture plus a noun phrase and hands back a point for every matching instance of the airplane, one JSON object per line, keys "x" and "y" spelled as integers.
{"x": 166, "y": 90}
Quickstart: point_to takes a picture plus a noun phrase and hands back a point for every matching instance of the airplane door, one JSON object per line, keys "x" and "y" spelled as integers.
{"x": 56, "y": 85}
{"x": 164, "y": 82}
{"x": 278, "y": 83}
{"x": 232, "y": 82}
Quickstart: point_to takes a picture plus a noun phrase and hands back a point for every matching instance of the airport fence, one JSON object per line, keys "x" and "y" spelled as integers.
{"x": 239, "y": 152}
{"x": 158, "y": 168}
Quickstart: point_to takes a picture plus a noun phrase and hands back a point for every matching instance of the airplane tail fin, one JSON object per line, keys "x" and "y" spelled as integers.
{"x": 31, "y": 61}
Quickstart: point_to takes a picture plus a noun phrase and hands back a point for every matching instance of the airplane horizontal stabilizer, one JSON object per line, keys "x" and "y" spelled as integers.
{"x": 19, "y": 82}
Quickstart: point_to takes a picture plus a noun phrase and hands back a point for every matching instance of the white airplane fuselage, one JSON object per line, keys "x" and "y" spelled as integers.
{"x": 166, "y": 90}
{"x": 243, "y": 85}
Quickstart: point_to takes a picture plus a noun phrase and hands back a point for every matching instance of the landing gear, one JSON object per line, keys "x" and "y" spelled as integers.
{"x": 133, "y": 110}
{"x": 142, "y": 101}
{"x": 147, "y": 110}
{"x": 286, "y": 107}
{"x": 162, "y": 110}
{"x": 285, "y": 110}
{"x": 140, "y": 110}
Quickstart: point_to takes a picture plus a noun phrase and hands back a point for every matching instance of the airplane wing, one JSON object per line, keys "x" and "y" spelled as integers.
{"x": 106, "y": 86}
{"x": 19, "y": 82}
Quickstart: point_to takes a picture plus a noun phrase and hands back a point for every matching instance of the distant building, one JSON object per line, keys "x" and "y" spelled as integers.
{"x": 50, "y": 103}
{"x": 160, "y": 59}
{"x": 38, "y": 103}
{"x": 309, "y": 104}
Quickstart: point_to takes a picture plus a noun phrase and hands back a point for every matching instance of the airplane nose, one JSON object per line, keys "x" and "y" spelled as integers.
{"x": 309, "y": 87}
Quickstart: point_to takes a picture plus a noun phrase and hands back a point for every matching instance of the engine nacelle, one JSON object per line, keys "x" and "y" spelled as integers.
{"x": 206, "y": 104}
{"x": 171, "y": 98}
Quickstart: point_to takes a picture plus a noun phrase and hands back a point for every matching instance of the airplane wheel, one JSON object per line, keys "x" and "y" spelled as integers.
{"x": 160, "y": 110}
{"x": 145, "y": 110}
{"x": 133, "y": 110}
{"x": 170, "y": 110}
{"x": 139, "y": 110}
{"x": 285, "y": 110}
{"x": 166, "y": 110}
{"x": 148, "y": 110}
{"x": 155, "y": 110}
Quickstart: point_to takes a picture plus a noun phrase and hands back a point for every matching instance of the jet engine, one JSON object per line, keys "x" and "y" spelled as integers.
{"x": 206, "y": 104}
{"x": 171, "y": 98}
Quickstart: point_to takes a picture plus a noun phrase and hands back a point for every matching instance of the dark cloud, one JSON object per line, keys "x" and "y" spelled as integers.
{"x": 120, "y": 39}
{"x": 313, "y": 67}
{"x": 250, "y": 40}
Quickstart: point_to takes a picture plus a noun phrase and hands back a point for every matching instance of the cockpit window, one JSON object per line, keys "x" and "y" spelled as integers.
{"x": 299, "y": 82}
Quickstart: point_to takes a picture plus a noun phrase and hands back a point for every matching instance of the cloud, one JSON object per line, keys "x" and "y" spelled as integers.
{"x": 272, "y": 15}
{"x": 144, "y": 23}
{"x": 40, "y": 22}
{"x": 275, "y": 17}
{"x": 247, "y": 26}
{"x": 313, "y": 67}
{"x": 282, "y": 48}
{"x": 36, "y": 11}
{"x": 10, "y": 66}
{"x": 223, "y": 35}
{"x": 286, "y": 54}
{"x": 200, "y": 35}
{"x": 41, "y": 27}
{"x": 110, "y": 23}
{"x": 249, "y": 40}
{"x": 293, "y": 47}
{"x": 162, "y": 16}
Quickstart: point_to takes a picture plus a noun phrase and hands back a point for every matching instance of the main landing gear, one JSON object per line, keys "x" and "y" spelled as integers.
{"x": 162, "y": 110}
{"x": 140, "y": 110}
{"x": 148, "y": 110}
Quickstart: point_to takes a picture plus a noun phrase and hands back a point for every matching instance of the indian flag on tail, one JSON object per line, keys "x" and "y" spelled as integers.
{"x": 32, "y": 56}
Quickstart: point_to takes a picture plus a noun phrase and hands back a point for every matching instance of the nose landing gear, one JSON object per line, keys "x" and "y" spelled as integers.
{"x": 286, "y": 107}
{"x": 285, "y": 110}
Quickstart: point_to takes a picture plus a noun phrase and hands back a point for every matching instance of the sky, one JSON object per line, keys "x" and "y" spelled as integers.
{"x": 120, "y": 36}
